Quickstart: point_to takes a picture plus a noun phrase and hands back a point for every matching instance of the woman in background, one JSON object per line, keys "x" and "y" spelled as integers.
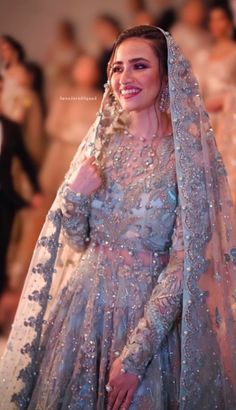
{"x": 29, "y": 221}
{"x": 60, "y": 57}
{"x": 21, "y": 101}
{"x": 189, "y": 31}
{"x": 216, "y": 71}
{"x": 12, "y": 55}
{"x": 106, "y": 29}
{"x": 71, "y": 113}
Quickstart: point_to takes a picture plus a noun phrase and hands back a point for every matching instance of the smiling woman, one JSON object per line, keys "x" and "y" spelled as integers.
{"x": 134, "y": 76}
{"x": 130, "y": 298}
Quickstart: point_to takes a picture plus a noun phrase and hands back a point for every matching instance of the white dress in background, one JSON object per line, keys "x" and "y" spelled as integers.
{"x": 72, "y": 112}
{"x": 217, "y": 79}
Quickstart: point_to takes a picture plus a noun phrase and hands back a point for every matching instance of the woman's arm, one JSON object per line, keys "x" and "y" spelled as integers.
{"x": 76, "y": 201}
{"x": 161, "y": 310}
{"x": 75, "y": 210}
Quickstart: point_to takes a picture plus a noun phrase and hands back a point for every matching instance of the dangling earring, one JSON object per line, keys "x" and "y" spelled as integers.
{"x": 117, "y": 105}
{"x": 164, "y": 99}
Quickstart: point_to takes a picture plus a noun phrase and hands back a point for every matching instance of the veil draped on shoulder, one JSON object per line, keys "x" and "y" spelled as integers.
{"x": 208, "y": 340}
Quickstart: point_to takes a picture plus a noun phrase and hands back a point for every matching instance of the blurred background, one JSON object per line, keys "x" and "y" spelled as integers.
{"x": 53, "y": 58}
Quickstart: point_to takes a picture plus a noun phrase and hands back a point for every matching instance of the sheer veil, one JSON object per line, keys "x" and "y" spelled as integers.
{"x": 208, "y": 342}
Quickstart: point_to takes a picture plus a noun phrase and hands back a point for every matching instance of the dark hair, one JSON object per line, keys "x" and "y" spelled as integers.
{"x": 68, "y": 29}
{"x": 16, "y": 45}
{"x": 226, "y": 9}
{"x": 107, "y": 18}
{"x": 157, "y": 42}
{"x": 37, "y": 74}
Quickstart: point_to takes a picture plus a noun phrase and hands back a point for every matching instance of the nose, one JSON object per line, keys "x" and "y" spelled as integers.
{"x": 125, "y": 76}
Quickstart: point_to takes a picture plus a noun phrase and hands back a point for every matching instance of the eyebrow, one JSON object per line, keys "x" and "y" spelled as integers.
{"x": 133, "y": 60}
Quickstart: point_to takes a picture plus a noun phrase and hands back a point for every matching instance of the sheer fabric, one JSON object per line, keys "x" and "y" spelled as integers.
{"x": 187, "y": 311}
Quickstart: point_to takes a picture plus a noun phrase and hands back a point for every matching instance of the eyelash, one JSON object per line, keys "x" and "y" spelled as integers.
{"x": 138, "y": 66}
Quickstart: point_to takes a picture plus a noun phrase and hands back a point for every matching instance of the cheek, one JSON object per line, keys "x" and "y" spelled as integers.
{"x": 218, "y": 25}
{"x": 152, "y": 85}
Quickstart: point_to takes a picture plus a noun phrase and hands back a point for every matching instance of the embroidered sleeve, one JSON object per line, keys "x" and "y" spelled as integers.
{"x": 75, "y": 209}
{"x": 160, "y": 312}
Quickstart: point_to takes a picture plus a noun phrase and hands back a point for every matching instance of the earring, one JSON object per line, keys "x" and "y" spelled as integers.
{"x": 164, "y": 99}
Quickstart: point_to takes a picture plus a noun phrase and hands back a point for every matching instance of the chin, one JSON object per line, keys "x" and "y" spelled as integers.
{"x": 131, "y": 106}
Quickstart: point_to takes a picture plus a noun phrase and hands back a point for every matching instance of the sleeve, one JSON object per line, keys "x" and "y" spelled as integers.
{"x": 75, "y": 218}
{"x": 161, "y": 311}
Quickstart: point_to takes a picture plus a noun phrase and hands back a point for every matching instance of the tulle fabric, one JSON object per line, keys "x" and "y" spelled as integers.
{"x": 208, "y": 330}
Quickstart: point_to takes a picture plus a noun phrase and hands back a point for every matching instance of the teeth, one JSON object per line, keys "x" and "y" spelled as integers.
{"x": 131, "y": 91}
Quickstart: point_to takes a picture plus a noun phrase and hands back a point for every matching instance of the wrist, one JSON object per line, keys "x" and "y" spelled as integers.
{"x": 124, "y": 370}
{"x": 75, "y": 203}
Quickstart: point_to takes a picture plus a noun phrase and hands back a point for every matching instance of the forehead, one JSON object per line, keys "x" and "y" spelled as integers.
{"x": 218, "y": 13}
{"x": 134, "y": 48}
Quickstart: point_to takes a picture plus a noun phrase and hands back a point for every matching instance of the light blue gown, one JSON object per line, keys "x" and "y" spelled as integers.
{"x": 124, "y": 298}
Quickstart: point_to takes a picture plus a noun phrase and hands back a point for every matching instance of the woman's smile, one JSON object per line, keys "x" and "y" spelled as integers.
{"x": 129, "y": 92}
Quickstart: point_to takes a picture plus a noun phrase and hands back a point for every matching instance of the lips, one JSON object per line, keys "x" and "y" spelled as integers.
{"x": 129, "y": 92}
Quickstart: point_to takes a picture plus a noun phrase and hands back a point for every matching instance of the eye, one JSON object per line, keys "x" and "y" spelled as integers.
{"x": 116, "y": 69}
{"x": 140, "y": 66}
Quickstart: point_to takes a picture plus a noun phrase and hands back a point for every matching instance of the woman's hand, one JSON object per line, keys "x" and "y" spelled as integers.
{"x": 88, "y": 179}
{"x": 123, "y": 387}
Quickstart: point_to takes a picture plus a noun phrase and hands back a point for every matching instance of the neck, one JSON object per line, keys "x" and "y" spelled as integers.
{"x": 146, "y": 123}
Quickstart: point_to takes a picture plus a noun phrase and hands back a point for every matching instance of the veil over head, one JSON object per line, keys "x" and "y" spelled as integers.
{"x": 208, "y": 339}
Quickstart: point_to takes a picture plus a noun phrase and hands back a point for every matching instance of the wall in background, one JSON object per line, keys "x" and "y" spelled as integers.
{"x": 33, "y": 21}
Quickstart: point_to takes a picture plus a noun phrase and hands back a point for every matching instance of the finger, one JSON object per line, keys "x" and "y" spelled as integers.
{"x": 92, "y": 165}
{"x": 94, "y": 168}
{"x": 119, "y": 399}
{"x": 128, "y": 399}
{"x": 90, "y": 160}
{"x": 87, "y": 161}
{"x": 112, "y": 397}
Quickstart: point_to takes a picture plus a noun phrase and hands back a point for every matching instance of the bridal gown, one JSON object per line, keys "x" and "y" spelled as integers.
{"x": 131, "y": 234}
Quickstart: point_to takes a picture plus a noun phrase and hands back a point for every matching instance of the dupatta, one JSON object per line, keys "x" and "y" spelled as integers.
{"x": 208, "y": 331}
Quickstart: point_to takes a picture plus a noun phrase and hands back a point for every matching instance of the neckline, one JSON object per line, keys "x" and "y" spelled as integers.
{"x": 132, "y": 136}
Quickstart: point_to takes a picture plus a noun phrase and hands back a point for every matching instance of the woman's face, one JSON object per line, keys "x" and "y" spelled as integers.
{"x": 135, "y": 78}
{"x": 7, "y": 52}
{"x": 193, "y": 13}
{"x": 219, "y": 24}
{"x": 85, "y": 71}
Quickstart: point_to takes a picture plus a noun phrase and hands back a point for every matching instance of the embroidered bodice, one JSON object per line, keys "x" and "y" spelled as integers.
{"x": 134, "y": 214}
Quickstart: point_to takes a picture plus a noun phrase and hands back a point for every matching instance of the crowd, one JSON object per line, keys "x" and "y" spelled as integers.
{"x": 45, "y": 111}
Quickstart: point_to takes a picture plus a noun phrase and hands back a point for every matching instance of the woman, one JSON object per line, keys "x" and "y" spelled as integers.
{"x": 106, "y": 29}
{"x": 145, "y": 313}
{"x": 61, "y": 56}
{"x": 11, "y": 147}
{"x": 189, "y": 31}
{"x": 13, "y": 56}
{"x": 218, "y": 84}
{"x": 70, "y": 114}
{"x": 32, "y": 110}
